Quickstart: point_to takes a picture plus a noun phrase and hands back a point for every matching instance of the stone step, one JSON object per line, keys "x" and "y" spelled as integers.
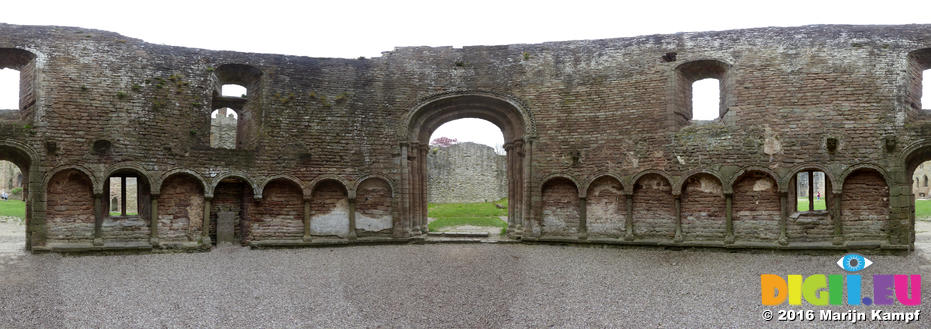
{"x": 460, "y": 234}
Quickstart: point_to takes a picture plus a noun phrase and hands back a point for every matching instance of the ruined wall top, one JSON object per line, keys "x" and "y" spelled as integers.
{"x": 835, "y": 95}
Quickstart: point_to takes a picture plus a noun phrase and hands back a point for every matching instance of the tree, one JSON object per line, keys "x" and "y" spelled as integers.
{"x": 443, "y": 141}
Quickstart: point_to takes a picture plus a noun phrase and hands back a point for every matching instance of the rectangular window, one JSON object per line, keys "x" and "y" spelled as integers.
{"x": 124, "y": 196}
{"x": 9, "y": 89}
{"x": 811, "y": 189}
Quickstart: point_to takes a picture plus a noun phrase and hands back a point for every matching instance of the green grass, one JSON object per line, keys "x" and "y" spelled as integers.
{"x": 13, "y": 208}
{"x": 923, "y": 209}
{"x": 476, "y": 214}
{"x": 803, "y": 204}
{"x": 117, "y": 213}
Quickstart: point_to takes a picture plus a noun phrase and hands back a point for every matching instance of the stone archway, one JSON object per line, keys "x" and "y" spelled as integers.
{"x": 516, "y": 125}
{"x": 901, "y": 226}
{"x": 23, "y": 158}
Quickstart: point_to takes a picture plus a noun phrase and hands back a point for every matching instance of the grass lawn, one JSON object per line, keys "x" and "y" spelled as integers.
{"x": 923, "y": 209}
{"x": 13, "y": 208}
{"x": 803, "y": 204}
{"x": 476, "y": 214}
{"x": 117, "y": 213}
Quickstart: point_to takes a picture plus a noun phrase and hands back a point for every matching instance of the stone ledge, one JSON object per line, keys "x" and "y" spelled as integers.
{"x": 89, "y": 246}
{"x": 324, "y": 242}
{"x": 827, "y": 245}
{"x": 437, "y": 238}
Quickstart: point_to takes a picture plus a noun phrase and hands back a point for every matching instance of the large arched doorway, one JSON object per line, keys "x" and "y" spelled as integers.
{"x": 516, "y": 126}
{"x": 22, "y": 159}
{"x": 917, "y": 162}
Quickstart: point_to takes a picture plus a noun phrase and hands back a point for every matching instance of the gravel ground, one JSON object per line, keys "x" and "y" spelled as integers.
{"x": 433, "y": 285}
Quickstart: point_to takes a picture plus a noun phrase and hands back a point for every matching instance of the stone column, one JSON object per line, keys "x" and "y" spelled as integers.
{"x": 307, "y": 220}
{"x": 527, "y": 194}
{"x": 154, "y": 221}
{"x": 838, "y": 220}
{"x": 415, "y": 189}
{"x": 811, "y": 191}
{"x": 424, "y": 148}
{"x": 783, "y": 213}
{"x": 205, "y": 224}
{"x": 729, "y": 215}
{"x": 98, "y": 219}
{"x": 629, "y": 222}
{"x": 678, "y": 237}
{"x": 583, "y": 218}
{"x": 517, "y": 175}
{"x": 407, "y": 224}
{"x": 352, "y": 218}
{"x": 123, "y": 196}
{"x": 509, "y": 173}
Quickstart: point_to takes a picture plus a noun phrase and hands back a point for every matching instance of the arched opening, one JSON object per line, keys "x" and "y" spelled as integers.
{"x": 809, "y": 191}
{"x": 230, "y": 210}
{"x": 237, "y": 88}
{"x": 17, "y": 90}
{"x": 809, "y": 206}
{"x": 224, "y": 127}
{"x": 129, "y": 220}
{"x": 15, "y": 203}
{"x": 706, "y": 99}
{"x": 702, "y": 92}
{"x": 918, "y": 167}
{"x": 466, "y": 178}
{"x": 423, "y": 120}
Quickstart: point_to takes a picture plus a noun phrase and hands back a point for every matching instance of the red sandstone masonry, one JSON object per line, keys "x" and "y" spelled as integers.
{"x": 703, "y": 209}
{"x": 374, "y": 207}
{"x": 756, "y": 208}
{"x": 595, "y": 106}
{"x": 329, "y": 208}
{"x": 180, "y": 209}
{"x": 236, "y": 197}
{"x": 606, "y": 211}
{"x": 865, "y": 206}
{"x": 654, "y": 208}
{"x": 560, "y": 207}
{"x": 280, "y": 214}
{"x": 70, "y": 207}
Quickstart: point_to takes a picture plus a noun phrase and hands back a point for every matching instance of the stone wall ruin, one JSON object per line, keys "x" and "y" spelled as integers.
{"x": 601, "y": 147}
{"x": 465, "y": 173}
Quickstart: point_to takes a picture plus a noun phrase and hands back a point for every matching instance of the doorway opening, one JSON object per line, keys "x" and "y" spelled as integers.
{"x": 233, "y": 202}
{"x": 14, "y": 199}
{"x": 515, "y": 127}
{"x": 467, "y": 179}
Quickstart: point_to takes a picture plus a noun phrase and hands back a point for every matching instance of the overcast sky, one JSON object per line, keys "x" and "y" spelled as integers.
{"x": 351, "y": 29}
